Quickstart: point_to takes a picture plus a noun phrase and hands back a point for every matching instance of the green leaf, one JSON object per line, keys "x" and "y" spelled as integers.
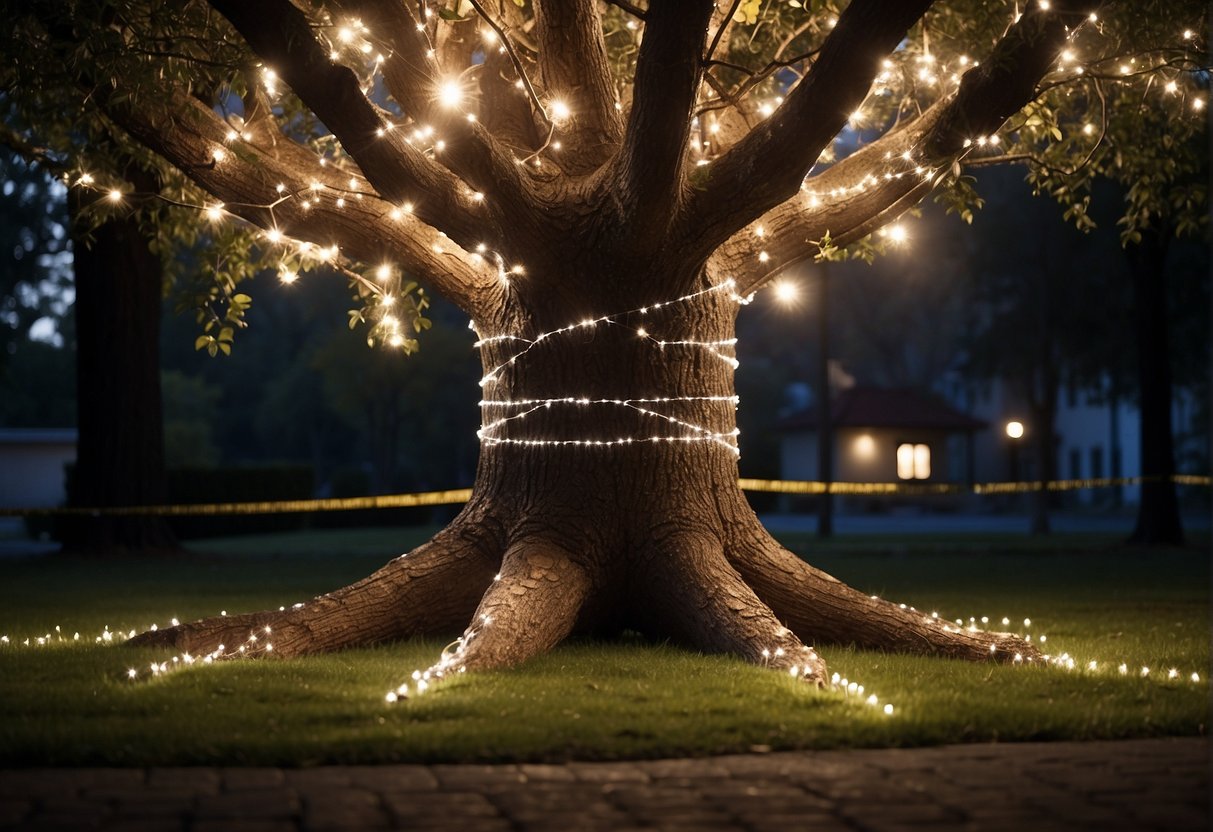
{"x": 201, "y": 341}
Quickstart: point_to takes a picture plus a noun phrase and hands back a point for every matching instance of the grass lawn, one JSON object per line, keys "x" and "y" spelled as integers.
{"x": 71, "y": 703}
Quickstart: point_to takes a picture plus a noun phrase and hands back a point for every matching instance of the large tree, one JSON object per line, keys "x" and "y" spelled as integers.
{"x": 600, "y": 187}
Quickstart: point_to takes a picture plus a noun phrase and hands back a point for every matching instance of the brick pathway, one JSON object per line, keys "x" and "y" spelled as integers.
{"x": 1131, "y": 785}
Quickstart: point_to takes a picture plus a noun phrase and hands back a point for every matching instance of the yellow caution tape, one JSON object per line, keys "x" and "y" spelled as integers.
{"x": 427, "y": 498}
{"x": 462, "y": 495}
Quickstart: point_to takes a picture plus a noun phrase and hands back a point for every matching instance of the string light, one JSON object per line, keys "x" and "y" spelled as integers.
{"x": 491, "y": 433}
{"x": 450, "y": 93}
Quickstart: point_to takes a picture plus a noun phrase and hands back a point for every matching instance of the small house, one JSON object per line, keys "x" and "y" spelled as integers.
{"x": 883, "y": 435}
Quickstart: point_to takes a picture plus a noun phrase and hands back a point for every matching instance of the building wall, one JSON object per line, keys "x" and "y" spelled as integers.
{"x": 1087, "y": 434}
{"x": 31, "y": 467}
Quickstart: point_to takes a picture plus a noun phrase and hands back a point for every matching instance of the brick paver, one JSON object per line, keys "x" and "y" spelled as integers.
{"x": 1134, "y": 785}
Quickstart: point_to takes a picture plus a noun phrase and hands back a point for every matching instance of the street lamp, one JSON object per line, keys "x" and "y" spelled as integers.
{"x": 1015, "y": 431}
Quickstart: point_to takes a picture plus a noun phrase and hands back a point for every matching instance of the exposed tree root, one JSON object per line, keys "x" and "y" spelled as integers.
{"x": 750, "y": 598}
{"x": 431, "y": 590}
{"x": 702, "y": 601}
{"x": 820, "y": 607}
{"x": 530, "y": 607}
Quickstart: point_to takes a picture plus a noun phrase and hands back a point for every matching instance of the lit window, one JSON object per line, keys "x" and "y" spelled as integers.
{"x": 913, "y": 461}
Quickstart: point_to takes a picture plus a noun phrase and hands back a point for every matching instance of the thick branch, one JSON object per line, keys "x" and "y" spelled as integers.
{"x": 410, "y": 71}
{"x": 279, "y": 33}
{"x": 1007, "y": 80}
{"x": 413, "y": 76}
{"x": 848, "y": 200}
{"x": 574, "y": 68}
{"x": 246, "y": 180}
{"x": 989, "y": 94}
{"x": 667, "y": 78}
{"x": 768, "y": 166}
{"x": 504, "y": 108}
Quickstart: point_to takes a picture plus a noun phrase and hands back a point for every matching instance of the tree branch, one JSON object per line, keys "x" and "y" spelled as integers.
{"x": 575, "y": 72}
{"x": 834, "y": 202}
{"x": 44, "y": 157}
{"x": 413, "y": 75}
{"x": 1007, "y": 80}
{"x": 630, "y": 8}
{"x": 410, "y": 71}
{"x": 769, "y": 164}
{"x": 247, "y": 180}
{"x": 848, "y": 200}
{"x": 668, "y": 69}
{"x": 279, "y": 33}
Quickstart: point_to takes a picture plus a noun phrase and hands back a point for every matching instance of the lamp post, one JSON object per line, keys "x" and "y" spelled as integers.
{"x": 1015, "y": 431}
{"x": 825, "y": 427}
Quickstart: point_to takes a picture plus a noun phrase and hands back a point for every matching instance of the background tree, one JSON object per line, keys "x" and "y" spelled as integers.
{"x": 1050, "y": 313}
{"x": 37, "y": 379}
{"x": 600, "y": 203}
{"x": 1152, "y": 144}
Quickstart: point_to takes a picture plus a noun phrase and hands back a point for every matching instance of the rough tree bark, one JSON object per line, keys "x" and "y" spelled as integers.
{"x": 1158, "y": 520}
{"x": 606, "y": 495}
{"x": 120, "y": 449}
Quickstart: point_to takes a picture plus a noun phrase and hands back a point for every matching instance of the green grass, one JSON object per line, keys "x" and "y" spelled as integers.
{"x": 71, "y": 704}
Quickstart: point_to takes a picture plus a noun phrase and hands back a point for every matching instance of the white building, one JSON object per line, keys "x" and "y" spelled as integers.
{"x": 32, "y": 464}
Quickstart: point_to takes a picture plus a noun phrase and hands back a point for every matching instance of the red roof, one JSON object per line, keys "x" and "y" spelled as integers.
{"x": 876, "y": 407}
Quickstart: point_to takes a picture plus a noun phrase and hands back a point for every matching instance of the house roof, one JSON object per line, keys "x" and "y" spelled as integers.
{"x": 878, "y": 407}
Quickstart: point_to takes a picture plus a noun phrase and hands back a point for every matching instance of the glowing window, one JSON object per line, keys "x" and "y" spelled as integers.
{"x": 913, "y": 461}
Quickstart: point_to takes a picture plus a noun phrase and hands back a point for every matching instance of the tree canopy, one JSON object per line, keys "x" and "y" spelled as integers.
{"x": 406, "y": 144}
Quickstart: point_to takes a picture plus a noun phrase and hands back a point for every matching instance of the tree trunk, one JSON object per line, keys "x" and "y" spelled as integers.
{"x": 120, "y": 451}
{"x": 606, "y": 498}
{"x": 1158, "y": 521}
{"x": 1044, "y": 453}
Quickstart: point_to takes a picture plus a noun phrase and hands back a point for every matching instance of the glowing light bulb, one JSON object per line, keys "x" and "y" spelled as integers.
{"x": 114, "y": 195}
{"x": 786, "y": 291}
{"x": 450, "y": 94}
{"x": 897, "y": 234}
{"x": 559, "y": 110}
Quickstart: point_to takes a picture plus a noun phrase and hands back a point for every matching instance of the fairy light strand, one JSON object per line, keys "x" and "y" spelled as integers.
{"x": 490, "y": 431}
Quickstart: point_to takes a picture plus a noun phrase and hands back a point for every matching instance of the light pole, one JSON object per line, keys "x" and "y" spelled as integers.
{"x": 1015, "y": 431}
{"x": 825, "y": 427}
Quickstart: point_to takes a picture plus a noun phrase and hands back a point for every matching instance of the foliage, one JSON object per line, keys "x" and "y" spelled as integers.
{"x": 35, "y": 248}
{"x": 1122, "y": 102}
